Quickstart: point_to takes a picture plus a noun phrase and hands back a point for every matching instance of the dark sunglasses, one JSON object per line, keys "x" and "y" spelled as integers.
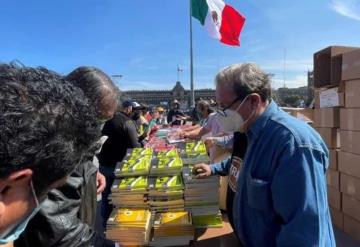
{"x": 222, "y": 111}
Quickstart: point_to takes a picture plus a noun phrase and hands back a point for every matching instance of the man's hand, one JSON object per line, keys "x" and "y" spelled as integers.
{"x": 202, "y": 170}
{"x": 183, "y": 135}
{"x": 209, "y": 142}
{"x": 100, "y": 183}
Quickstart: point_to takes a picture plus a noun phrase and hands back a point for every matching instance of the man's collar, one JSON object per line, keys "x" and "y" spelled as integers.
{"x": 261, "y": 121}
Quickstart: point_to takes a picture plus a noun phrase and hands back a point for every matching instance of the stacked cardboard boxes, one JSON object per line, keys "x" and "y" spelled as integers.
{"x": 329, "y": 100}
{"x": 349, "y": 155}
{"x": 337, "y": 118}
{"x": 327, "y": 123}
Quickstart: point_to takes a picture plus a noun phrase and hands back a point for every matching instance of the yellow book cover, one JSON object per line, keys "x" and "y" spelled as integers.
{"x": 132, "y": 216}
{"x": 173, "y": 218}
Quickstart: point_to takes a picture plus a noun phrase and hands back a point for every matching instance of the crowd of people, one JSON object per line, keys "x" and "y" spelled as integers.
{"x": 62, "y": 136}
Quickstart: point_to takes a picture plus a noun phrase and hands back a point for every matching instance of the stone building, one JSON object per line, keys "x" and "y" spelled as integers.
{"x": 165, "y": 97}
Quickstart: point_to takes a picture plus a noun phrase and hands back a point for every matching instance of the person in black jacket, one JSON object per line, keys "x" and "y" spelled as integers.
{"x": 46, "y": 127}
{"x": 176, "y": 116}
{"x": 67, "y": 217}
{"x": 122, "y": 134}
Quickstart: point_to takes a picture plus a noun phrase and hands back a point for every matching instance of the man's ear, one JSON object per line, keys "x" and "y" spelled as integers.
{"x": 17, "y": 178}
{"x": 24, "y": 175}
{"x": 255, "y": 100}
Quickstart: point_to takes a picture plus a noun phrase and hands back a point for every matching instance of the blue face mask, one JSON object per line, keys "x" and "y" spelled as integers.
{"x": 13, "y": 233}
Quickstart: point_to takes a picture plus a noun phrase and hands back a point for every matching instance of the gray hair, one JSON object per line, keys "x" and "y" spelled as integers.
{"x": 245, "y": 79}
{"x": 203, "y": 104}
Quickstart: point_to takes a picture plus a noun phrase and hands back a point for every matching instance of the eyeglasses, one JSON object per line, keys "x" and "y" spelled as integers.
{"x": 222, "y": 111}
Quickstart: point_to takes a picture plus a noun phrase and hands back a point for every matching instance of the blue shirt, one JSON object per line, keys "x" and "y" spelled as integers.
{"x": 281, "y": 197}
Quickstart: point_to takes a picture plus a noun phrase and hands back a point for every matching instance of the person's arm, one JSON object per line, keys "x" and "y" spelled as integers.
{"x": 203, "y": 170}
{"x": 193, "y": 134}
{"x": 221, "y": 168}
{"x": 191, "y": 128}
{"x": 224, "y": 141}
{"x": 131, "y": 131}
{"x": 299, "y": 197}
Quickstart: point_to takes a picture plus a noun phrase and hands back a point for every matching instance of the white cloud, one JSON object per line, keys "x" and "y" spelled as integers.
{"x": 347, "y": 8}
{"x": 295, "y": 81}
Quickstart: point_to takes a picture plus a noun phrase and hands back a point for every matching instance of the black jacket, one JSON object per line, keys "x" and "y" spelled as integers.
{"x": 122, "y": 134}
{"x": 174, "y": 113}
{"x": 67, "y": 216}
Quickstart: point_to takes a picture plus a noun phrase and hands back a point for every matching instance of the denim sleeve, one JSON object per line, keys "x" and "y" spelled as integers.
{"x": 225, "y": 141}
{"x": 299, "y": 197}
{"x": 221, "y": 168}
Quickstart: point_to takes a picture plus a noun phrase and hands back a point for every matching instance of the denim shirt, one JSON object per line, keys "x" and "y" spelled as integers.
{"x": 281, "y": 197}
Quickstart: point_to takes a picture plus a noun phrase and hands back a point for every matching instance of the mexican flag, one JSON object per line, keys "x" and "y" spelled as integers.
{"x": 221, "y": 20}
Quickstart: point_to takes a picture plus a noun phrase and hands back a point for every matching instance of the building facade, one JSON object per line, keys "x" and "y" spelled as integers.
{"x": 165, "y": 97}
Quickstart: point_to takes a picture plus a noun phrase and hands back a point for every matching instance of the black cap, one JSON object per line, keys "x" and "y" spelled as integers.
{"x": 127, "y": 103}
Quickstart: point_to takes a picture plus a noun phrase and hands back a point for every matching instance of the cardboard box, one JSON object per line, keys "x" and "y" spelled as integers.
{"x": 337, "y": 218}
{"x": 326, "y": 71}
{"x": 351, "y": 90}
{"x": 352, "y": 227}
{"x": 351, "y": 65}
{"x": 333, "y": 179}
{"x": 325, "y": 98}
{"x": 350, "y": 186}
{"x": 334, "y": 198}
{"x": 351, "y": 206}
{"x": 331, "y": 136}
{"x": 304, "y": 114}
{"x": 333, "y": 159}
{"x": 349, "y": 164}
{"x": 327, "y": 117}
{"x": 350, "y": 141}
{"x": 350, "y": 119}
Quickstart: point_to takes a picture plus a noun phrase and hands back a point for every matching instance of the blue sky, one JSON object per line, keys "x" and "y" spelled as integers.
{"x": 145, "y": 40}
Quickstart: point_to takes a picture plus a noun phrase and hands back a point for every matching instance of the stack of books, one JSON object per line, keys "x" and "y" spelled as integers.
{"x": 136, "y": 162}
{"x": 207, "y": 221}
{"x": 166, "y": 193}
{"x": 166, "y": 166}
{"x": 173, "y": 153}
{"x": 201, "y": 195}
{"x": 193, "y": 153}
{"x": 172, "y": 229}
{"x": 129, "y": 227}
{"x": 130, "y": 192}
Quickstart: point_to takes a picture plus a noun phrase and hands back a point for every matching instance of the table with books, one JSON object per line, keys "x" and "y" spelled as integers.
{"x": 157, "y": 199}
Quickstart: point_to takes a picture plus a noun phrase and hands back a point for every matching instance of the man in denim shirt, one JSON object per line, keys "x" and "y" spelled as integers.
{"x": 280, "y": 188}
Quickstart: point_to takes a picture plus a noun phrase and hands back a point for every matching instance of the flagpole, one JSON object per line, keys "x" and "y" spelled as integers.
{"x": 192, "y": 94}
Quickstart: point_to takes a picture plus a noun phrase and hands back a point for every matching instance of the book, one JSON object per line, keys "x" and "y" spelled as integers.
{"x": 133, "y": 167}
{"x": 208, "y": 221}
{"x": 172, "y": 228}
{"x": 166, "y": 166}
{"x": 138, "y": 152}
{"x": 173, "y": 153}
{"x": 166, "y": 192}
{"x": 201, "y": 196}
{"x": 130, "y": 192}
{"x": 130, "y": 184}
{"x": 129, "y": 226}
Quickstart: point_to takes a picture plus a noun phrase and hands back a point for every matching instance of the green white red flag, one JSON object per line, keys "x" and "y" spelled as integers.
{"x": 222, "y": 21}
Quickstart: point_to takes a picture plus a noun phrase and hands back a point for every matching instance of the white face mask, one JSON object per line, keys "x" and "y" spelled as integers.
{"x": 232, "y": 121}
